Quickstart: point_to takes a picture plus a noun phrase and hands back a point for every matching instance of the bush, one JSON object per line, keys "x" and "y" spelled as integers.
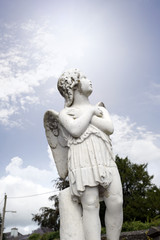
{"x": 34, "y": 236}
{"x": 138, "y": 225}
{"x": 45, "y": 236}
{"x": 50, "y": 236}
{"x": 134, "y": 226}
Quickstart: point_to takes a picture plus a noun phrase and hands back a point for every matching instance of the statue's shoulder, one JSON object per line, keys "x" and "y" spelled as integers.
{"x": 69, "y": 112}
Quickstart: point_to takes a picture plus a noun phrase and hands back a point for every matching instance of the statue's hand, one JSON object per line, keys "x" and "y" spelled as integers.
{"x": 98, "y": 112}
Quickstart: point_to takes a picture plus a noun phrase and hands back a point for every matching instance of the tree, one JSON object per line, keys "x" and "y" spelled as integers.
{"x": 49, "y": 217}
{"x": 141, "y": 197}
{"x": 153, "y": 202}
{"x": 138, "y": 191}
{"x": 35, "y": 236}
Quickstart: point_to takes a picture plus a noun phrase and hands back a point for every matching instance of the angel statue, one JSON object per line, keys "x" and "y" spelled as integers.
{"x": 81, "y": 147}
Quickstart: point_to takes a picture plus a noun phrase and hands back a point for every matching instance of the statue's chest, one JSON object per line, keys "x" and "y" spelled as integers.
{"x": 76, "y": 112}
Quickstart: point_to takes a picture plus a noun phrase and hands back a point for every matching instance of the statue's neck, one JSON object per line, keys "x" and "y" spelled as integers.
{"x": 80, "y": 99}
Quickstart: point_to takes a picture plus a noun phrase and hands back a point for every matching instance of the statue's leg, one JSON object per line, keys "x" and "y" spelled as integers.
{"x": 71, "y": 227}
{"x": 91, "y": 220}
{"x": 113, "y": 198}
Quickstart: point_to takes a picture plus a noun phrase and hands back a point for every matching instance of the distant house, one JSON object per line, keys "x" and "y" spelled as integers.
{"x": 15, "y": 235}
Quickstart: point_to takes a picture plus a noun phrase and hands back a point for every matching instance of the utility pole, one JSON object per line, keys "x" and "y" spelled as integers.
{"x": 4, "y": 211}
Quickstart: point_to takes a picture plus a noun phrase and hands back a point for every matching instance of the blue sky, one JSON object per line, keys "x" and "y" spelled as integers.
{"x": 116, "y": 44}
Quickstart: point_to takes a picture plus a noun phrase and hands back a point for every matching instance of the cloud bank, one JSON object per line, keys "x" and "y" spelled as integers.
{"x": 27, "y": 62}
{"x": 139, "y": 144}
{"x": 24, "y": 187}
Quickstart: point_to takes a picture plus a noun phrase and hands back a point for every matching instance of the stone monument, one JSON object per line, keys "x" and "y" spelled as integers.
{"x": 81, "y": 147}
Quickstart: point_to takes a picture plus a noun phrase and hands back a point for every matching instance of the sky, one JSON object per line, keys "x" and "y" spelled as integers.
{"x": 115, "y": 43}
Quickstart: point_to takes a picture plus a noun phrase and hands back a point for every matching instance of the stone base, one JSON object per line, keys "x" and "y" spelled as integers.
{"x": 135, "y": 235}
{"x": 70, "y": 217}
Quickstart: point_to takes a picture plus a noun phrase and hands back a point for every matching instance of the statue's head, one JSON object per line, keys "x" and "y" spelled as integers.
{"x": 67, "y": 83}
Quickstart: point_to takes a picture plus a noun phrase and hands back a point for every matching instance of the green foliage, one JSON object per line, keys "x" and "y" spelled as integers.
{"x": 49, "y": 217}
{"x": 153, "y": 202}
{"x": 34, "y": 236}
{"x": 138, "y": 225}
{"x": 45, "y": 236}
{"x": 103, "y": 230}
{"x": 134, "y": 226}
{"x": 61, "y": 184}
{"x": 50, "y": 236}
{"x": 139, "y": 194}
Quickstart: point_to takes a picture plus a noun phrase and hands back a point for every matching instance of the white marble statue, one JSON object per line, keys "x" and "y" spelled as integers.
{"x": 81, "y": 147}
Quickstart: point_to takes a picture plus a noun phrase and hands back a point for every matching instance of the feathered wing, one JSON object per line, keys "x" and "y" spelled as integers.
{"x": 101, "y": 104}
{"x": 57, "y": 140}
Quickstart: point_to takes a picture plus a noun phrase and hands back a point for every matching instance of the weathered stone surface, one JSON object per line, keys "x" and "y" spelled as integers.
{"x": 71, "y": 217}
{"x": 154, "y": 233}
{"x": 135, "y": 235}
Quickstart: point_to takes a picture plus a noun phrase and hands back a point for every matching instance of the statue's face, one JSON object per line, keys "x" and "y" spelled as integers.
{"x": 85, "y": 86}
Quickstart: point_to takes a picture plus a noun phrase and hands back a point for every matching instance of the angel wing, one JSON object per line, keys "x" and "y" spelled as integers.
{"x": 101, "y": 104}
{"x": 57, "y": 140}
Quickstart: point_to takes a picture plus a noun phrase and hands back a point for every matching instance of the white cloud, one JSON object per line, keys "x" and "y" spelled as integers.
{"x": 5, "y": 114}
{"x": 29, "y": 100}
{"x": 15, "y": 168}
{"x": 140, "y": 145}
{"x": 21, "y": 182}
{"x": 51, "y": 91}
{"x": 25, "y": 64}
{"x": 154, "y": 93}
{"x": 33, "y": 53}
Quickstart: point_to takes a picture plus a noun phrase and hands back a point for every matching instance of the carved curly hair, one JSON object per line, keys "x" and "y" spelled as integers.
{"x": 67, "y": 83}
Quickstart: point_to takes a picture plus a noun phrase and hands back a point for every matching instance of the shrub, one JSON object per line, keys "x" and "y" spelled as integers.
{"x": 50, "y": 236}
{"x": 138, "y": 225}
{"x": 34, "y": 236}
